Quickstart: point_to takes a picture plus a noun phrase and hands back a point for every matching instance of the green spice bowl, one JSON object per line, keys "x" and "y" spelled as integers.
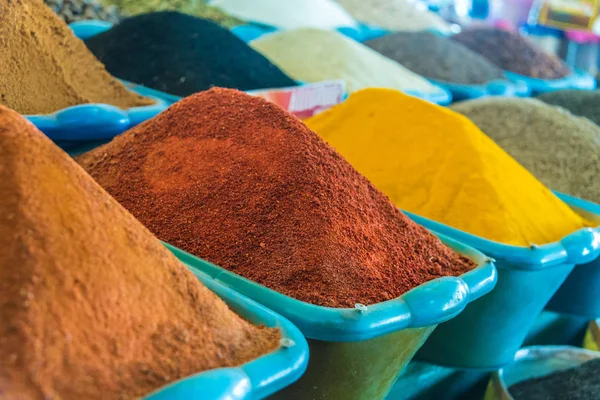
{"x": 357, "y": 353}
{"x": 591, "y": 340}
{"x": 534, "y": 362}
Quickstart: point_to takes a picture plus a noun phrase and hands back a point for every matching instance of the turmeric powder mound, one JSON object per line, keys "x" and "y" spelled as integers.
{"x": 44, "y": 67}
{"x": 438, "y": 164}
{"x": 92, "y": 306}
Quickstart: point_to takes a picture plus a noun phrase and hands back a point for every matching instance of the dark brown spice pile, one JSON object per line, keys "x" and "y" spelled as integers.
{"x": 92, "y": 305}
{"x": 240, "y": 182}
{"x": 512, "y": 52}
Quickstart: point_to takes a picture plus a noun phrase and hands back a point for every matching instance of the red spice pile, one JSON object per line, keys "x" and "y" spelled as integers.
{"x": 240, "y": 182}
{"x": 92, "y": 306}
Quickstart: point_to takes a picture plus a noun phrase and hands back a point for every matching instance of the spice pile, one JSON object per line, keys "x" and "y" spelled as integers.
{"x": 288, "y": 14}
{"x": 579, "y": 383}
{"x": 397, "y": 15}
{"x": 585, "y": 103}
{"x": 44, "y": 67}
{"x": 559, "y": 148}
{"x": 92, "y": 305}
{"x": 313, "y": 55}
{"x": 512, "y": 52}
{"x": 436, "y": 57}
{"x": 240, "y": 182}
{"x": 80, "y": 10}
{"x": 180, "y": 54}
{"x": 436, "y": 163}
{"x": 192, "y": 7}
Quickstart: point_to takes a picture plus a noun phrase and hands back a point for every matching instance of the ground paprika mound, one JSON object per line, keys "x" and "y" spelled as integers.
{"x": 242, "y": 183}
{"x": 92, "y": 306}
{"x": 45, "y": 68}
{"x": 436, "y": 163}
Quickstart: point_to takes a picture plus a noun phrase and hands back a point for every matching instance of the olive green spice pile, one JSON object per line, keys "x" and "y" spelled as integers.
{"x": 559, "y": 148}
{"x": 585, "y": 103}
{"x": 192, "y": 7}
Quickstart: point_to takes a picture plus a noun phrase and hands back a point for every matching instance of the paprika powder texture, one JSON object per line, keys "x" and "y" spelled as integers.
{"x": 436, "y": 163}
{"x": 44, "y": 67}
{"x": 92, "y": 306}
{"x": 240, "y": 182}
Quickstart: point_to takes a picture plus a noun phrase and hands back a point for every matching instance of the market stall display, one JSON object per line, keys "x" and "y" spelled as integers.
{"x": 186, "y": 55}
{"x": 311, "y": 194}
{"x": 92, "y": 305}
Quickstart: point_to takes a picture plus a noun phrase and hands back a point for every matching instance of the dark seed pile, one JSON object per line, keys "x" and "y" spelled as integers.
{"x": 579, "y": 383}
{"x": 436, "y": 57}
{"x": 79, "y": 10}
{"x": 585, "y": 103}
{"x": 512, "y": 52}
{"x": 181, "y": 54}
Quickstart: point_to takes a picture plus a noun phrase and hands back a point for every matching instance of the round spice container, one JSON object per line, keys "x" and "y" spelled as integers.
{"x": 540, "y": 372}
{"x": 243, "y": 184}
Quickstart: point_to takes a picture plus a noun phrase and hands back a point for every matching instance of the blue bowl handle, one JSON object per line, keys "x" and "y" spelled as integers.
{"x": 218, "y": 384}
{"x": 582, "y": 246}
{"x": 437, "y": 301}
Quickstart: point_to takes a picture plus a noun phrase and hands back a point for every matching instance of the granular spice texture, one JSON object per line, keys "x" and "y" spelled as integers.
{"x": 436, "y": 57}
{"x": 184, "y": 56}
{"x": 585, "y": 103}
{"x": 242, "y": 183}
{"x": 92, "y": 305}
{"x": 313, "y": 55}
{"x": 45, "y": 68}
{"x": 579, "y": 383}
{"x": 559, "y": 148}
{"x": 396, "y": 15}
{"x": 192, "y": 7}
{"x": 512, "y": 52}
{"x": 81, "y": 10}
{"x": 436, "y": 163}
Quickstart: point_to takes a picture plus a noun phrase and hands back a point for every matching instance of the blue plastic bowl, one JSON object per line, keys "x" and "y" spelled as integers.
{"x": 580, "y": 293}
{"x": 535, "y": 362}
{"x": 577, "y": 80}
{"x": 441, "y": 97}
{"x": 489, "y": 331}
{"x": 256, "y": 379}
{"x": 93, "y": 122}
{"x": 357, "y": 353}
{"x": 493, "y": 88}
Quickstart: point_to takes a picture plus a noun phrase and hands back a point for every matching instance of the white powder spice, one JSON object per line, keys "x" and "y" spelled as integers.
{"x": 313, "y": 55}
{"x": 562, "y": 150}
{"x": 398, "y": 15}
{"x": 288, "y": 14}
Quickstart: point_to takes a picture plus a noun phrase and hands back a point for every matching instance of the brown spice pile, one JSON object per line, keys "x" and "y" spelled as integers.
{"x": 240, "y": 182}
{"x": 45, "y": 68}
{"x": 92, "y": 306}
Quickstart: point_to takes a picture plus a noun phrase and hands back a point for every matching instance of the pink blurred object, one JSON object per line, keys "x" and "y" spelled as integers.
{"x": 582, "y": 37}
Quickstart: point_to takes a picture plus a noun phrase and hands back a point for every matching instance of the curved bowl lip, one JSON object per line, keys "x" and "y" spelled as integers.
{"x": 579, "y": 247}
{"x": 571, "y": 81}
{"x": 468, "y": 91}
{"x": 255, "y": 379}
{"x": 56, "y": 125}
{"x": 429, "y": 304}
{"x": 533, "y": 352}
{"x": 442, "y": 96}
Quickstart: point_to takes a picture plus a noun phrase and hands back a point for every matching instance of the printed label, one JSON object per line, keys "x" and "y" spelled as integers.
{"x": 567, "y": 14}
{"x": 307, "y": 100}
